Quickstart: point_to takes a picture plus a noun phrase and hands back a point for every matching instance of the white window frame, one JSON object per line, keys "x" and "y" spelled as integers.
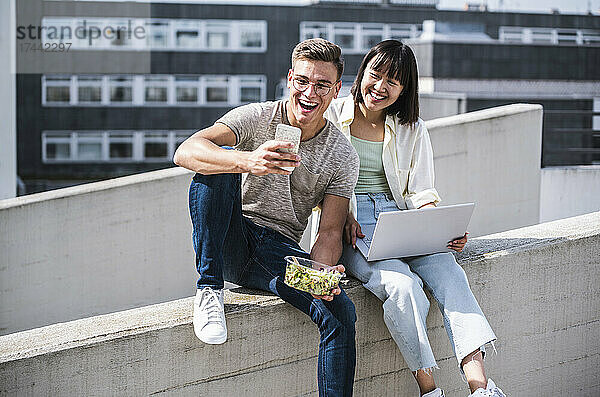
{"x": 149, "y": 26}
{"x": 137, "y": 138}
{"x": 67, "y": 82}
{"x": 188, "y": 26}
{"x": 122, "y": 137}
{"x": 550, "y": 36}
{"x": 67, "y": 138}
{"x": 139, "y": 83}
{"x": 153, "y": 137}
{"x": 79, "y": 83}
{"x": 310, "y": 29}
{"x": 152, "y": 81}
{"x": 170, "y": 26}
{"x": 195, "y": 83}
{"x": 129, "y": 82}
{"x": 213, "y": 81}
{"x": 252, "y": 81}
{"x": 81, "y": 137}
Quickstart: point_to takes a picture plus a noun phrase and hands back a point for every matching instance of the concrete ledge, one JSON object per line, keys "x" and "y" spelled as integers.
{"x": 485, "y": 114}
{"x": 537, "y": 286}
{"x": 94, "y": 187}
{"x": 72, "y": 245}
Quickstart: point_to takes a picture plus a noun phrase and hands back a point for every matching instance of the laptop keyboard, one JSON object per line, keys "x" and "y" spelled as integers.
{"x": 368, "y": 231}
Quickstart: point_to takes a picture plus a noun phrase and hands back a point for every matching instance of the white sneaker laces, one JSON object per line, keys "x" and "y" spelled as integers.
{"x": 211, "y": 305}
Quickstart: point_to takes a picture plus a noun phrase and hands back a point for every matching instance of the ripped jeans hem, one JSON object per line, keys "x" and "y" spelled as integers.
{"x": 427, "y": 370}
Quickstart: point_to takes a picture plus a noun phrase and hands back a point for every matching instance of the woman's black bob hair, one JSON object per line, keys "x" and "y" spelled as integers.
{"x": 397, "y": 61}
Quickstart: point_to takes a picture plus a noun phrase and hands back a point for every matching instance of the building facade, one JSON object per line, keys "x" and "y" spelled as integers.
{"x": 138, "y": 78}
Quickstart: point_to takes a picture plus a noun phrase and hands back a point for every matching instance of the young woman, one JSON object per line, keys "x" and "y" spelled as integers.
{"x": 381, "y": 119}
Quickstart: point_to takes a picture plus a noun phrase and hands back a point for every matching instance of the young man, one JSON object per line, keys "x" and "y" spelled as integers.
{"x": 243, "y": 230}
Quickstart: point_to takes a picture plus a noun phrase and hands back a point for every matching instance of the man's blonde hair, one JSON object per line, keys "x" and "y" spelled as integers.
{"x": 319, "y": 50}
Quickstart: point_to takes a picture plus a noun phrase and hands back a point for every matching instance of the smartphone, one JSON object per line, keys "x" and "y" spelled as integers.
{"x": 287, "y": 133}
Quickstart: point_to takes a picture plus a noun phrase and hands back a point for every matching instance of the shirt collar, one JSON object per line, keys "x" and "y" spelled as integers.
{"x": 347, "y": 113}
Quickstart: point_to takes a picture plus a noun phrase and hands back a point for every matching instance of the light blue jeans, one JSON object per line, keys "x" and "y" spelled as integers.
{"x": 399, "y": 284}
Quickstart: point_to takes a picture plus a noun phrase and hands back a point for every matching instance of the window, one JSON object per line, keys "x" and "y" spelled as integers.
{"x": 313, "y": 30}
{"x": 186, "y": 89}
{"x": 217, "y": 89}
{"x": 157, "y": 34}
{"x": 89, "y": 89}
{"x": 357, "y": 37}
{"x": 537, "y": 35}
{"x": 402, "y": 31}
{"x": 121, "y": 89}
{"x": 217, "y": 35}
{"x": 152, "y": 90}
{"x": 57, "y": 30}
{"x": 187, "y": 34}
{"x": 121, "y": 33}
{"x": 56, "y": 89}
{"x": 57, "y": 146}
{"x": 120, "y": 146}
{"x": 251, "y": 89}
{"x": 344, "y": 35}
{"x": 110, "y": 146}
{"x": 156, "y": 146}
{"x": 89, "y": 146}
{"x": 156, "y": 89}
{"x": 251, "y": 36}
{"x": 371, "y": 35}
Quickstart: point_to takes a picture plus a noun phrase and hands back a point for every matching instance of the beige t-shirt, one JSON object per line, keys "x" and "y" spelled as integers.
{"x": 329, "y": 165}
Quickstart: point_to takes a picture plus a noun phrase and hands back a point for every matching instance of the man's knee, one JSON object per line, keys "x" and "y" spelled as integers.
{"x": 216, "y": 180}
{"x": 344, "y": 310}
{"x": 215, "y": 185}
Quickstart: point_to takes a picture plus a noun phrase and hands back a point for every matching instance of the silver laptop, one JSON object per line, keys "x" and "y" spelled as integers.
{"x": 399, "y": 234}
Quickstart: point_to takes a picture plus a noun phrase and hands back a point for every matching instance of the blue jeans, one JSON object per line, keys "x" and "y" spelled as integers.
{"x": 399, "y": 284}
{"x": 231, "y": 247}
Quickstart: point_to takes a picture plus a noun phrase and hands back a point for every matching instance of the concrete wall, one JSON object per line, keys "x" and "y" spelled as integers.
{"x": 441, "y": 104}
{"x": 569, "y": 191}
{"x": 491, "y": 157}
{"x": 61, "y": 251}
{"x": 8, "y": 132}
{"x": 528, "y": 281}
{"x": 132, "y": 235}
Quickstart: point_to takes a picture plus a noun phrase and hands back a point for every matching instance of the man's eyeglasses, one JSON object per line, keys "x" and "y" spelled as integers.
{"x": 301, "y": 84}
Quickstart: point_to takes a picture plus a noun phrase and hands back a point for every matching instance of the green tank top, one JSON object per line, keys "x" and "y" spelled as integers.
{"x": 371, "y": 176}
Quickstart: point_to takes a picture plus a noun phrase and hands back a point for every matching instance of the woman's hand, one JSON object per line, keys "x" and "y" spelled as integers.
{"x": 458, "y": 244}
{"x": 352, "y": 230}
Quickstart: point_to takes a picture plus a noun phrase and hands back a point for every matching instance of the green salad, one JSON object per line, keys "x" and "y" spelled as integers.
{"x": 318, "y": 282}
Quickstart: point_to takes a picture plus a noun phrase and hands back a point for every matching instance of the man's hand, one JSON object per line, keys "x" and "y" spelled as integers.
{"x": 352, "y": 230}
{"x": 458, "y": 244}
{"x": 266, "y": 160}
{"x": 328, "y": 245}
{"x": 335, "y": 291}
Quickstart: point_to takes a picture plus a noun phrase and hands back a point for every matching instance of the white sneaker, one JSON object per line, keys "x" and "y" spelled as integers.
{"x": 434, "y": 393}
{"x": 491, "y": 390}
{"x": 209, "y": 316}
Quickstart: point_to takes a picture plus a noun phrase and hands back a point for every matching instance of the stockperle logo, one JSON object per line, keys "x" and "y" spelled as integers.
{"x": 83, "y": 30}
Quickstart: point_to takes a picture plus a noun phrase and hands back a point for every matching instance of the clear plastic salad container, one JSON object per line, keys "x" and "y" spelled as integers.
{"x": 310, "y": 276}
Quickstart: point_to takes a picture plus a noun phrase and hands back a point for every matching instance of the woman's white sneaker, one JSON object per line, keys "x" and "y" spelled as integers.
{"x": 209, "y": 316}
